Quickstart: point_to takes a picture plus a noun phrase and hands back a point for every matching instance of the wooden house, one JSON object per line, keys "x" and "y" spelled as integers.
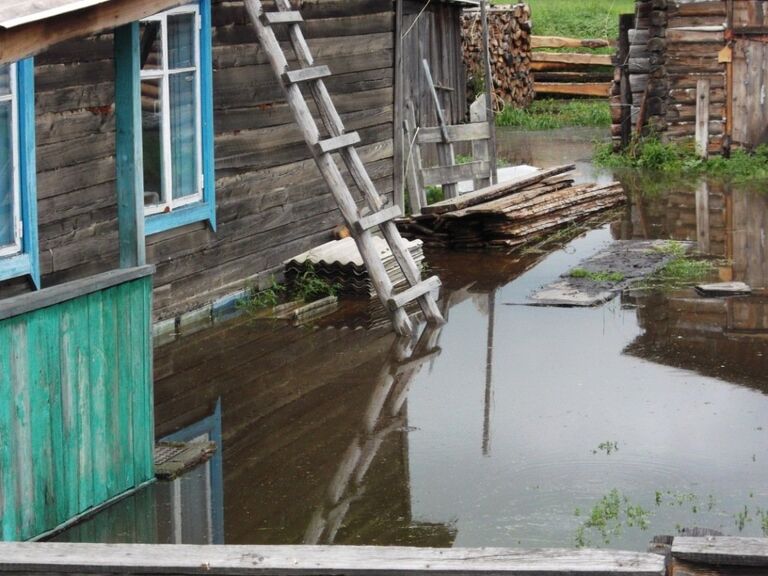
{"x": 149, "y": 167}
{"x": 716, "y": 48}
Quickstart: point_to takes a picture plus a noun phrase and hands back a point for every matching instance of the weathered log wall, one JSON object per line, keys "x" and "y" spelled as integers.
{"x": 271, "y": 200}
{"x": 675, "y": 44}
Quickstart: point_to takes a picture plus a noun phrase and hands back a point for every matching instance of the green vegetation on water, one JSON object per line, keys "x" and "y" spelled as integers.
{"x": 675, "y": 161}
{"x": 549, "y": 114}
{"x": 595, "y": 276}
{"x": 307, "y": 287}
{"x": 608, "y": 517}
{"x": 681, "y": 271}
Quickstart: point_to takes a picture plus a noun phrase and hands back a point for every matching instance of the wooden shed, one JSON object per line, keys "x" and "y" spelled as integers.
{"x": 149, "y": 166}
{"x": 715, "y": 47}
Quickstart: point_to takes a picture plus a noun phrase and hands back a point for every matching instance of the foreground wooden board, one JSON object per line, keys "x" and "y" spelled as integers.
{"x": 722, "y": 550}
{"x": 52, "y": 558}
{"x": 495, "y": 191}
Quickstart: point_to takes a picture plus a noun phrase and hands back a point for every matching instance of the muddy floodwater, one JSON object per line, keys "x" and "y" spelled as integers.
{"x": 512, "y": 425}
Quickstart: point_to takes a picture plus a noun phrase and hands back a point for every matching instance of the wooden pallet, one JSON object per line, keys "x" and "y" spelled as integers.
{"x": 342, "y": 143}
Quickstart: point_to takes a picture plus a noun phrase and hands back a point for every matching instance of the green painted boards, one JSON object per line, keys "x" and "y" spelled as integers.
{"x": 76, "y": 418}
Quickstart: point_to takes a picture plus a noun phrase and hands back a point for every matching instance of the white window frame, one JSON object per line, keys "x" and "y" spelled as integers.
{"x": 163, "y": 74}
{"x": 13, "y": 98}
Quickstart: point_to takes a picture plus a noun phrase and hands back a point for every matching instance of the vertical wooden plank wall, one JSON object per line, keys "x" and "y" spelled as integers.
{"x": 76, "y": 417}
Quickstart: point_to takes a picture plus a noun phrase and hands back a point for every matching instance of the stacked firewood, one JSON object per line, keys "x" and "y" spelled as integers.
{"x": 511, "y": 214}
{"x": 509, "y": 30}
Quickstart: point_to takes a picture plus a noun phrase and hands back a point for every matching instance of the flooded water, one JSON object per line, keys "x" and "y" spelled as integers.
{"x": 511, "y": 425}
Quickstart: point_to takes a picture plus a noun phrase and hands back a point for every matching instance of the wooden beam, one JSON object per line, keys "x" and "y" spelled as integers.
{"x": 582, "y": 59}
{"x": 601, "y": 89}
{"x": 560, "y": 42}
{"x": 722, "y": 550}
{"x": 489, "y": 88}
{"x": 46, "y": 297}
{"x": 128, "y": 143}
{"x": 702, "y": 117}
{"x": 36, "y": 37}
{"x": 454, "y": 133}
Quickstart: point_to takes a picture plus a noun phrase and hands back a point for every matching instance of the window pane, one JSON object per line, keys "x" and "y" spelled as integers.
{"x": 5, "y": 79}
{"x": 151, "y": 125}
{"x": 183, "y": 94}
{"x": 151, "y": 45}
{"x": 181, "y": 41}
{"x": 6, "y": 175}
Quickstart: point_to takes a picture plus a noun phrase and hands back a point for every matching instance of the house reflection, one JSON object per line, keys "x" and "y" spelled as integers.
{"x": 719, "y": 337}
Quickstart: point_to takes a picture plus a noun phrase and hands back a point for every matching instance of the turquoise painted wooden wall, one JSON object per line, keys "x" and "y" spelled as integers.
{"x": 76, "y": 416}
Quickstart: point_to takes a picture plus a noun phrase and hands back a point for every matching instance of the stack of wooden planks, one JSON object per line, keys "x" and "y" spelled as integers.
{"x": 571, "y": 73}
{"x": 509, "y": 30}
{"x": 510, "y": 214}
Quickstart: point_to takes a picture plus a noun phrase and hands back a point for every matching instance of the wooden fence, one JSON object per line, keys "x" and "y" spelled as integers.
{"x": 76, "y": 425}
{"x": 707, "y": 556}
{"x": 571, "y": 73}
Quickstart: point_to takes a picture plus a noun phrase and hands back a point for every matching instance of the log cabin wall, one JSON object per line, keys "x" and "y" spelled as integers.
{"x": 271, "y": 200}
{"x": 675, "y": 44}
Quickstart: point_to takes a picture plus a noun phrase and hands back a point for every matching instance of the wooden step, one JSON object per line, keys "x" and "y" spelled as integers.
{"x": 373, "y": 220}
{"x": 306, "y": 74}
{"x": 421, "y": 289}
{"x": 338, "y": 142}
{"x": 287, "y": 17}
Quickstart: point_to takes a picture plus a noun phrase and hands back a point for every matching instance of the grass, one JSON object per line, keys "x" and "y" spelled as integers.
{"x": 549, "y": 114}
{"x": 681, "y": 271}
{"x": 594, "y": 276}
{"x": 669, "y": 163}
{"x": 257, "y": 300}
{"x": 608, "y": 517}
{"x": 576, "y": 19}
{"x": 307, "y": 287}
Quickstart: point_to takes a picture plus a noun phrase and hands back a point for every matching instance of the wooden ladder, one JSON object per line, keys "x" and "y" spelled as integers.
{"x": 343, "y": 143}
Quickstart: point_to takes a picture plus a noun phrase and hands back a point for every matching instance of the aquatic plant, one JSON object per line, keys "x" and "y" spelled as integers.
{"x": 608, "y": 518}
{"x": 596, "y": 276}
{"x": 608, "y": 447}
{"x": 308, "y": 286}
{"x": 257, "y": 300}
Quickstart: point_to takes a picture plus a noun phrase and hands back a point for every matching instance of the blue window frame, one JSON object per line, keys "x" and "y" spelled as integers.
{"x": 175, "y": 141}
{"x": 18, "y": 199}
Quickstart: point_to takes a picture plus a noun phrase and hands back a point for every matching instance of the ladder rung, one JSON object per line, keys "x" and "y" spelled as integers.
{"x": 368, "y": 222}
{"x": 306, "y": 74}
{"x": 338, "y": 142}
{"x": 414, "y": 292}
{"x": 288, "y": 17}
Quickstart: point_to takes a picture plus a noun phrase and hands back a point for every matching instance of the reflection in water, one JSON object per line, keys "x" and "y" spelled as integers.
{"x": 494, "y": 438}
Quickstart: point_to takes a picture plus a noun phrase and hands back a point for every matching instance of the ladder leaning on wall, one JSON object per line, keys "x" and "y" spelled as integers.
{"x": 343, "y": 143}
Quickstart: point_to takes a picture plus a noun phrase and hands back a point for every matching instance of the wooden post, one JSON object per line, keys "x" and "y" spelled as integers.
{"x": 702, "y": 218}
{"x": 480, "y": 148}
{"x": 413, "y": 163}
{"x": 626, "y": 23}
{"x": 399, "y": 144}
{"x": 130, "y": 170}
{"x": 702, "y": 117}
{"x": 489, "y": 91}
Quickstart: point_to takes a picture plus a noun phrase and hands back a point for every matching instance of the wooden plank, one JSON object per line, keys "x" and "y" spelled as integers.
{"x": 64, "y": 558}
{"x": 97, "y": 366}
{"x": 306, "y": 74}
{"x": 480, "y": 148}
{"x": 561, "y": 42}
{"x": 454, "y": 133}
{"x": 702, "y": 117}
{"x": 413, "y": 167}
{"x": 338, "y": 142}
{"x": 571, "y": 58}
{"x": 287, "y": 17}
{"x": 445, "y": 152}
{"x": 368, "y": 222}
{"x": 35, "y": 37}
{"x": 599, "y": 89}
{"x": 128, "y": 147}
{"x": 9, "y": 507}
{"x": 495, "y": 191}
{"x": 414, "y": 292}
{"x": 722, "y": 550}
{"x": 442, "y": 175}
{"x": 489, "y": 90}
{"x": 56, "y": 294}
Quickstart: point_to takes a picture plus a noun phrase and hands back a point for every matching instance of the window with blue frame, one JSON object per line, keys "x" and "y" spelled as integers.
{"x": 176, "y": 117}
{"x": 18, "y": 201}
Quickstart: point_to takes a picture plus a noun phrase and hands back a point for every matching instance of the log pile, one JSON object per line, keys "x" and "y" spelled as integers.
{"x": 510, "y": 48}
{"x": 511, "y": 214}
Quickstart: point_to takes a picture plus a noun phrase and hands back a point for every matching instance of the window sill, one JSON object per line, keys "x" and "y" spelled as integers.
{"x": 15, "y": 266}
{"x": 190, "y": 214}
